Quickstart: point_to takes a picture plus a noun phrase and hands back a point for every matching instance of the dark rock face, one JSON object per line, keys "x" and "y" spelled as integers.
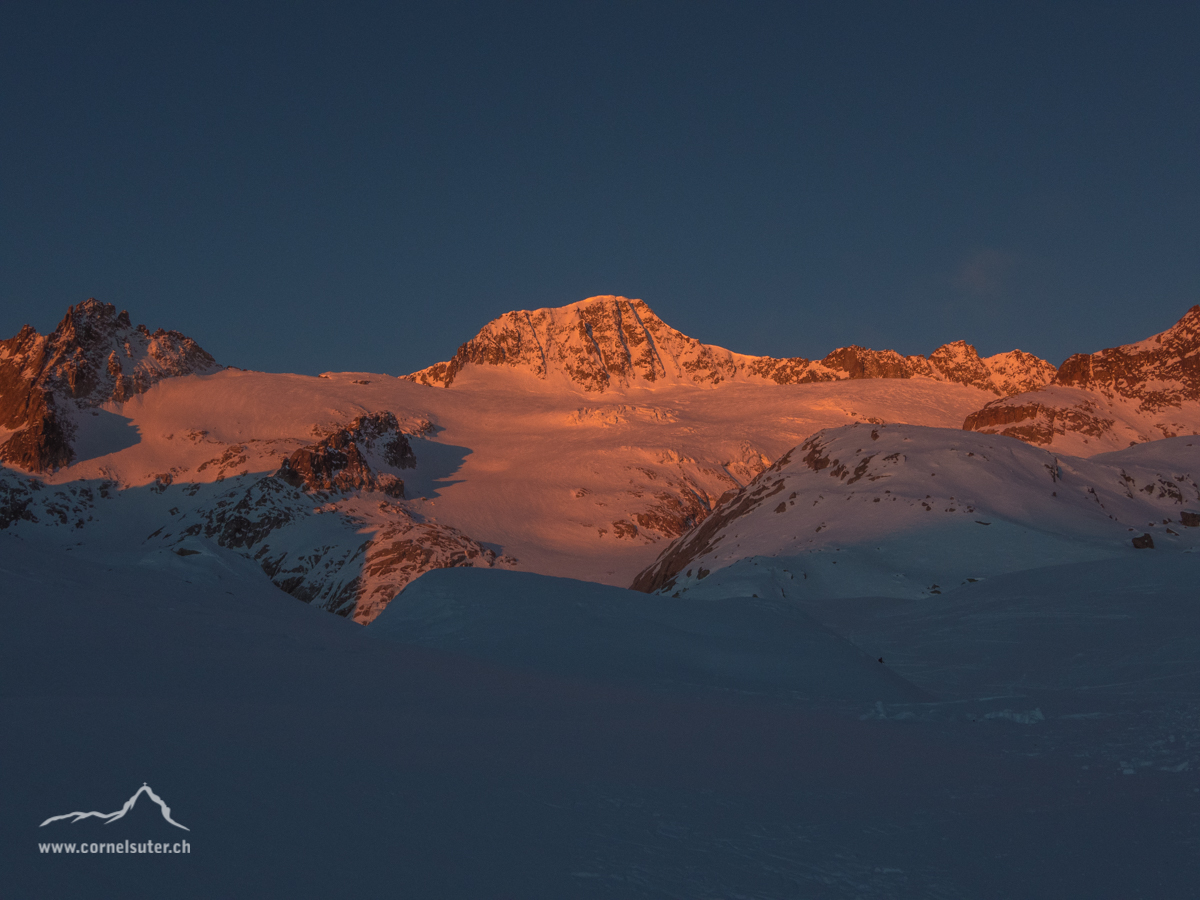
{"x": 94, "y": 356}
{"x": 27, "y": 499}
{"x": 1037, "y": 423}
{"x": 44, "y": 444}
{"x": 859, "y": 362}
{"x": 672, "y": 514}
{"x": 15, "y": 500}
{"x": 339, "y": 462}
{"x": 1145, "y": 542}
{"x": 264, "y": 507}
{"x": 345, "y": 565}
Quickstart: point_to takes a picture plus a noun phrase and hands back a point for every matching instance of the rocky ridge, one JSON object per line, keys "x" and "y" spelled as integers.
{"x": 340, "y": 462}
{"x": 94, "y": 356}
{"x": 25, "y": 499}
{"x": 349, "y": 556}
{"x": 604, "y": 343}
{"x": 1125, "y": 395}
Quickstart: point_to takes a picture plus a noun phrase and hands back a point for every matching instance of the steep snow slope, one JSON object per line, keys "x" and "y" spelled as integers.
{"x": 906, "y": 511}
{"x": 1111, "y": 399}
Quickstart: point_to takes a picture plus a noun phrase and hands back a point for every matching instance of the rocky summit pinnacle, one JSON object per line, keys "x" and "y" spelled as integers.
{"x": 94, "y": 356}
{"x": 605, "y": 343}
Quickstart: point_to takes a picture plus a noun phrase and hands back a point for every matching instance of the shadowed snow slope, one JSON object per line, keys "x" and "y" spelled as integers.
{"x": 1124, "y": 628}
{"x": 311, "y": 760}
{"x": 594, "y": 631}
{"x": 906, "y": 511}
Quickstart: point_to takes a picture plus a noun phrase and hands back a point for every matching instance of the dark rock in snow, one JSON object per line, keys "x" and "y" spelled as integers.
{"x": 339, "y": 463}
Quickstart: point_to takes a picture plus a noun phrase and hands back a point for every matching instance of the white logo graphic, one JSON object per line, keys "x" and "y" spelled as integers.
{"x": 113, "y": 816}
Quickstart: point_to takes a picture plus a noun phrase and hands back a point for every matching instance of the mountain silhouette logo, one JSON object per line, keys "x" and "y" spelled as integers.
{"x": 113, "y": 816}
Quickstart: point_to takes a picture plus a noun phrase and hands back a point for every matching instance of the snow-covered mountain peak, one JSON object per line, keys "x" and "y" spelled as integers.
{"x": 597, "y": 344}
{"x": 606, "y": 343}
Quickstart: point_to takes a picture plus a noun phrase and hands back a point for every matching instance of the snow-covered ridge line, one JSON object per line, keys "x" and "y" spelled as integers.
{"x": 900, "y": 501}
{"x": 608, "y": 342}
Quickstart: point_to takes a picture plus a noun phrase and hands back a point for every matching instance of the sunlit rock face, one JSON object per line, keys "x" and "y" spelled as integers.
{"x": 1016, "y": 371}
{"x": 1119, "y": 396}
{"x": 1161, "y": 371}
{"x": 607, "y": 343}
{"x": 341, "y": 461}
{"x": 598, "y": 344}
{"x": 94, "y": 356}
{"x": 957, "y": 362}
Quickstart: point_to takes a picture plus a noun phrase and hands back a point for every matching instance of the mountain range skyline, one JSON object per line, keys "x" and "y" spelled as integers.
{"x": 784, "y": 179}
{"x": 581, "y": 441}
{"x": 596, "y": 344}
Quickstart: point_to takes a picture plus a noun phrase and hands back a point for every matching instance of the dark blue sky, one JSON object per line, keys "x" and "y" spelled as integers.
{"x": 306, "y": 188}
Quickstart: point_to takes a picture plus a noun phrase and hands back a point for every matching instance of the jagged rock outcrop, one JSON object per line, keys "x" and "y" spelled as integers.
{"x": 350, "y": 557}
{"x": 25, "y": 499}
{"x": 859, "y": 362}
{"x": 1118, "y": 396}
{"x": 1016, "y": 371}
{"x": 340, "y": 463}
{"x": 94, "y": 356}
{"x": 1161, "y": 371}
{"x": 605, "y": 343}
{"x": 600, "y": 343}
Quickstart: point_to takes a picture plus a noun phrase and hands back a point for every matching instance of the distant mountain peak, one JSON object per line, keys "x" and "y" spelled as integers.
{"x": 608, "y": 342}
{"x": 1128, "y": 394}
{"x": 94, "y": 355}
